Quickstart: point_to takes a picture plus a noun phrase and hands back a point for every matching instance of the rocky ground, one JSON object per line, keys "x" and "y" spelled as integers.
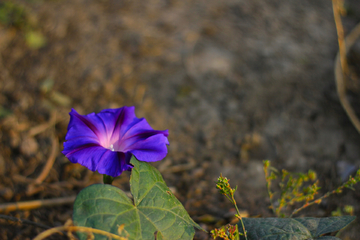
{"x": 235, "y": 82}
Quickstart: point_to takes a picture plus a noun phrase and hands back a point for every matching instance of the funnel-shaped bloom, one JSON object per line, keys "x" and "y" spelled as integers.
{"x": 105, "y": 142}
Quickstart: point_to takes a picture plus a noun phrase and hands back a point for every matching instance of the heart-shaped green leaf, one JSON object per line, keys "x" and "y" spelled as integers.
{"x": 274, "y": 229}
{"x": 319, "y": 226}
{"x": 156, "y": 212}
{"x": 293, "y": 228}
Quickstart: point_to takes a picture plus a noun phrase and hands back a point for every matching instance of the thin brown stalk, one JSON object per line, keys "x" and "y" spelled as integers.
{"x": 317, "y": 201}
{"x": 50, "y": 161}
{"x": 44, "y": 126}
{"x": 32, "y": 188}
{"x": 338, "y": 10}
{"x": 9, "y": 207}
{"x": 341, "y": 65}
{"x": 88, "y": 230}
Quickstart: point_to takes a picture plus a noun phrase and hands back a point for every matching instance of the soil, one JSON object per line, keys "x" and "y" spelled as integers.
{"x": 235, "y": 82}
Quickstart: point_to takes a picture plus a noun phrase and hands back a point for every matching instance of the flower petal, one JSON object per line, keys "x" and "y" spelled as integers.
{"x": 106, "y": 141}
{"x": 89, "y": 156}
{"x": 114, "y": 163}
{"x": 139, "y": 130}
{"x": 78, "y": 143}
{"x": 101, "y": 159}
{"x": 150, "y": 149}
{"x": 117, "y": 121}
{"x": 139, "y": 126}
{"x": 87, "y": 126}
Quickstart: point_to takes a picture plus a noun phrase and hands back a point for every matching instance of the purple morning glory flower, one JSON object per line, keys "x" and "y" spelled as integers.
{"x": 105, "y": 142}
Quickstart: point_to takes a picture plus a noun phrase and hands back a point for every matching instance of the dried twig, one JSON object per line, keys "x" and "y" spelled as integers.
{"x": 9, "y": 207}
{"x": 23, "y": 221}
{"x": 42, "y": 127}
{"x": 88, "y": 230}
{"x": 341, "y": 67}
{"x": 339, "y": 10}
{"x": 49, "y": 163}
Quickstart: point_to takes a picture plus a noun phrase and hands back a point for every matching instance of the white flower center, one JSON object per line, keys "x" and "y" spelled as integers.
{"x": 112, "y": 147}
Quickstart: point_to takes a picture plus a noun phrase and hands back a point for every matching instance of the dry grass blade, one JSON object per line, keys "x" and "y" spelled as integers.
{"x": 341, "y": 64}
{"x": 49, "y": 163}
{"x": 339, "y": 10}
{"x": 42, "y": 127}
{"x": 87, "y": 230}
{"x": 9, "y": 207}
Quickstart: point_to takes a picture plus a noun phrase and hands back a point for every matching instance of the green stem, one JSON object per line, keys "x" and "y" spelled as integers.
{"x": 268, "y": 186}
{"x": 108, "y": 179}
{"x": 317, "y": 201}
{"x": 239, "y": 216}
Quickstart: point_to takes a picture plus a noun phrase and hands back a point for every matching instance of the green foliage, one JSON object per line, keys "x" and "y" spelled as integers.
{"x": 35, "y": 39}
{"x": 348, "y": 209}
{"x": 294, "y": 187}
{"x": 108, "y": 179}
{"x": 154, "y": 211}
{"x": 4, "y": 112}
{"x": 292, "y": 190}
{"x": 224, "y": 187}
{"x": 294, "y": 228}
{"x": 228, "y": 232}
{"x": 12, "y": 14}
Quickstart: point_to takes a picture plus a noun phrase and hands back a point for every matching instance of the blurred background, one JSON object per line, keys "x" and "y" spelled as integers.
{"x": 235, "y": 82}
